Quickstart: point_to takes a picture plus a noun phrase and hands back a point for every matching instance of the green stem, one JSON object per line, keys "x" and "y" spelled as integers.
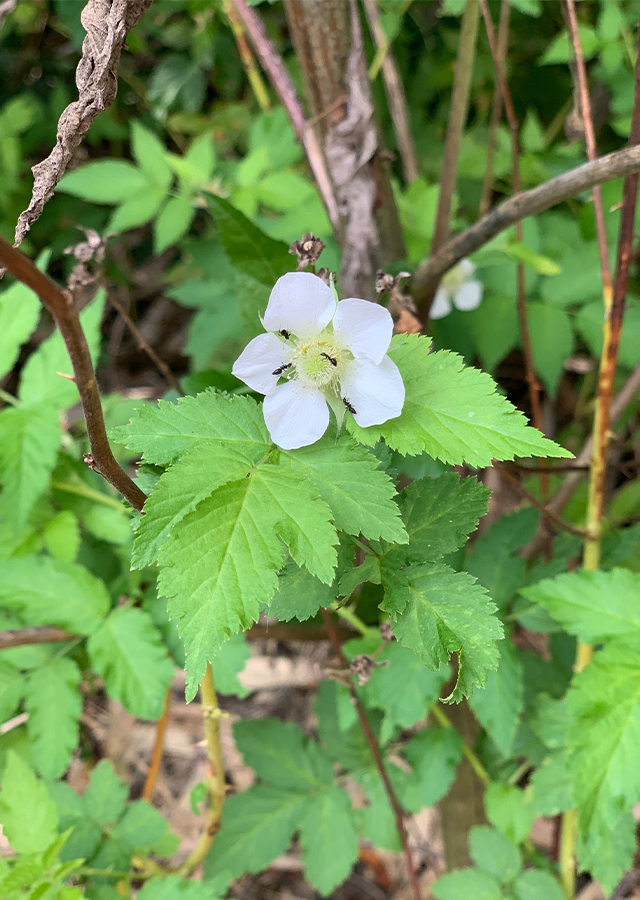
{"x": 349, "y": 616}
{"x": 9, "y": 398}
{"x": 87, "y": 492}
{"x": 216, "y": 785}
{"x": 443, "y": 719}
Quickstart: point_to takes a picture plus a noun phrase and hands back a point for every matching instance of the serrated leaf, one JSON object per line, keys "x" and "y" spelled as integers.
{"x": 256, "y": 828}
{"x": 509, "y": 810}
{"x": 250, "y": 250}
{"x": 434, "y": 754}
{"x": 228, "y": 662}
{"x": 592, "y": 605}
{"x": 222, "y": 561}
{"x": 141, "y": 827}
{"x": 39, "y": 383}
{"x": 609, "y": 851}
{"x": 138, "y": 209}
{"x": 19, "y": 314}
{"x": 534, "y": 884}
{"x": 604, "y": 703}
{"x": 149, "y": 153}
{"x": 349, "y": 480}
{"x": 52, "y": 699}
{"x": 299, "y": 595}
{"x": 107, "y": 181}
{"x": 29, "y": 441}
{"x": 552, "y": 341}
{"x": 453, "y": 412}
{"x": 127, "y": 652}
{"x": 174, "y": 887}
{"x": 52, "y": 592}
{"x": 349, "y": 746}
{"x": 106, "y": 796}
{"x": 27, "y": 812}
{"x": 12, "y": 686}
{"x": 435, "y": 612}
{"x": 494, "y": 853}
{"x": 173, "y": 222}
{"x": 466, "y": 883}
{"x": 166, "y": 431}
{"x": 499, "y": 704}
{"x": 328, "y": 838}
{"x": 280, "y": 754}
{"x": 550, "y": 787}
{"x": 440, "y": 513}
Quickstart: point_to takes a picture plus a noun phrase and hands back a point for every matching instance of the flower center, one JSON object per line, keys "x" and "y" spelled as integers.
{"x": 316, "y": 363}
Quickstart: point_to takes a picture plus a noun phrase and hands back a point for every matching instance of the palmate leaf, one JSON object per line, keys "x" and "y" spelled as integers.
{"x": 54, "y": 705}
{"x": 280, "y": 754}
{"x": 164, "y": 432}
{"x": 436, "y": 611}
{"x": 27, "y": 812}
{"x": 222, "y": 561}
{"x": 453, "y": 412}
{"x": 349, "y": 480}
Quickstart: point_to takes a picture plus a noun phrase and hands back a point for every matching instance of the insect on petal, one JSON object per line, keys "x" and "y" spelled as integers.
{"x": 300, "y": 304}
{"x": 260, "y": 359}
{"x": 375, "y": 392}
{"x": 364, "y": 328}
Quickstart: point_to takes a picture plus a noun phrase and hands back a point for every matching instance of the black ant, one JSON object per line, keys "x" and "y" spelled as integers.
{"x": 281, "y": 369}
{"x": 285, "y": 334}
{"x": 334, "y": 362}
{"x": 349, "y": 406}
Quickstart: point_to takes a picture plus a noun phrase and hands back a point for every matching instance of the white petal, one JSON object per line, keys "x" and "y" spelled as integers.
{"x": 295, "y": 415}
{"x": 258, "y": 361}
{"x": 365, "y": 328}
{"x": 468, "y": 296}
{"x": 300, "y": 303}
{"x": 466, "y": 268}
{"x": 375, "y": 392}
{"x": 441, "y": 305}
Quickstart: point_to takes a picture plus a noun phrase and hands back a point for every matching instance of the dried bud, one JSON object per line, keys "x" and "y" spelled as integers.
{"x": 326, "y": 276}
{"x": 362, "y": 665}
{"x": 307, "y": 249}
{"x": 93, "y": 248}
{"x": 385, "y": 631}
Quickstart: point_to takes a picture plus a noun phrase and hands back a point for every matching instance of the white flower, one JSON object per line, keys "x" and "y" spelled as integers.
{"x": 320, "y": 353}
{"x": 459, "y": 288}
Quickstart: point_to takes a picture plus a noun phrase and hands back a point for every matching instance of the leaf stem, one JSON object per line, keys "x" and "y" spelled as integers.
{"x": 398, "y": 812}
{"x": 443, "y": 719}
{"x": 89, "y": 494}
{"x": 349, "y": 616}
{"x": 258, "y": 86}
{"x": 216, "y": 786}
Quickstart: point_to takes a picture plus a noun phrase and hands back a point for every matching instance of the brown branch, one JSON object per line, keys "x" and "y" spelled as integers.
{"x": 39, "y": 634}
{"x": 527, "y": 203}
{"x": 107, "y": 23}
{"x": 496, "y": 110}
{"x": 398, "y": 812}
{"x": 60, "y": 304}
{"x": 541, "y": 507}
{"x": 283, "y": 86}
{"x": 396, "y": 98}
{"x": 158, "y": 747}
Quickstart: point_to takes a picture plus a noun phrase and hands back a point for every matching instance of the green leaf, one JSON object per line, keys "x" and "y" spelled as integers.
{"x": 499, "y": 704}
{"x": 329, "y": 840}
{"x": 222, "y": 562}
{"x": 589, "y": 325}
{"x": 579, "y": 281}
{"x": 592, "y": 605}
{"x": 435, "y": 612}
{"x": 54, "y": 704}
{"x": 231, "y": 659}
{"x": 541, "y": 264}
{"x": 348, "y": 478}
{"x": 453, "y": 412}
{"x": 149, "y": 153}
{"x": 173, "y": 222}
{"x": 182, "y": 487}
{"x": 559, "y": 51}
{"x": 107, "y": 181}
{"x": 19, "y": 314}
{"x": 29, "y": 441}
{"x": 40, "y": 383}
{"x": 166, "y": 431}
{"x": 466, "y": 883}
{"x": 256, "y": 828}
{"x": 349, "y": 746}
{"x": 299, "y": 595}
{"x": 51, "y": 592}
{"x": 550, "y": 788}
{"x": 440, "y": 513}
{"x": 11, "y": 689}
{"x": 250, "y": 250}
{"x": 62, "y": 536}
{"x": 604, "y": 704}
{"x": 279, "y": 753}
{"x": 141, "y": 827}
{"x": 608, "y": 852}
{"x": 552, "y": 341}
{"x": 106, "y": 796}
{"x": 434, "y": 754}
{"x": 127, "y": 652}
{"x": 27, "y": 812}
{"x": 509, "y": 810}
{"x": 535, "y": 884}
{"x": 174, "y": 887}
{"x": 139, "y": 209}
{"x": 494, "y": 853}
{"x": 493, "y": 343}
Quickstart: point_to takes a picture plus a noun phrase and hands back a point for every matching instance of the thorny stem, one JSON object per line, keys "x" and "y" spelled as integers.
{"x": 158, "y": 747}
{"x": 532, "y": 381}
{"x": 396, "y": 99}
{"x": 216, "y": 786}
{"x": 443, "y": 720}
{"x": 496, "y": 110}
{"x": 248, "y": 61}
{"x": 398, "y": 812}
{"x": 455, "y": 127}
{"x": 284, "y": 88}
{"x": 612, "y": 329}
{"x": 526, "y": 203}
